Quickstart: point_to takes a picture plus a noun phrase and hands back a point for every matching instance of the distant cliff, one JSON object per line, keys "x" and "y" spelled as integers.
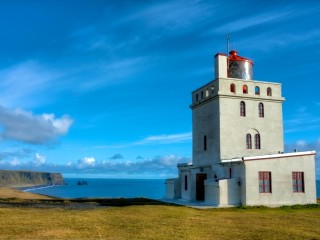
{"x": 27, "y": 178}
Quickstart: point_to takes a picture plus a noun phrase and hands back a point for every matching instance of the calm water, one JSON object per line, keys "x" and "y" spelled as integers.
{"x": 111, "y": 188}
{"x": 106, "y": 188}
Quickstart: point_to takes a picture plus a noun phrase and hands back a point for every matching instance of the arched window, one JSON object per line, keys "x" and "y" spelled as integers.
{"x": 257, "y": 141}
{"x": 205, "y": 143}
{"x": 232, "y": 88}
{"x": 269, "y": 91}
{"x": 185, "y": 182}
{"x": 245, "y": 89}
{"x": 257, "y": 90}
{"x": 242, "y": 109}
{"x": 249, "y": 141}
{"x": 261, "y": 110}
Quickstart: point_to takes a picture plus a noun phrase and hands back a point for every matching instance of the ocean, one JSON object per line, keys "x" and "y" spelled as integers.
{"x": 105, "y": 188}
{"x": 110, "y": 188}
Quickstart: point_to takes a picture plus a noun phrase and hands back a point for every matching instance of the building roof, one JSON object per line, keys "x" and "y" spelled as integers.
{"x": 270, "y": 156}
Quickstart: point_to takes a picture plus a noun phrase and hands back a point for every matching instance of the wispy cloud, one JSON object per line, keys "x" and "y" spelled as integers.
{"x": 251, "y": 21}
{"x": 24, "y": 84}
{"x": 154, "y": 140}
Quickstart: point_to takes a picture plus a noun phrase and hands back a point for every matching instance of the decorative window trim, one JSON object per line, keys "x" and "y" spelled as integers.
{"x": 269, "y": 91}
{"x": 257, "y": 141}
{"x": 242, "y": 109}
{"x": 245, "y": 89}
{"x": 257, "y": 90}
{"x": 232, "y": 88}
{"x": 249, "y": 141}
{"x": 261, "y": 110}
{"x": 265, "y": 184}
{"x": 298, "y": 182}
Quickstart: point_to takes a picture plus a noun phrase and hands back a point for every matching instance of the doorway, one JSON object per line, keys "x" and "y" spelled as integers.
{"x": 200, "y": 177}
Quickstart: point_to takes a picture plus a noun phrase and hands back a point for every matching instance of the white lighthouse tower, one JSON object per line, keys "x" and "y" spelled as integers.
{"x": 238, "y": 150}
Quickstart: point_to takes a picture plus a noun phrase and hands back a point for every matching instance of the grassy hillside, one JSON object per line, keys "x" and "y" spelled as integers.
{"x": 159, "y": 222}
{"x": 28, "y": 178}
{"x": 6, "y": 193}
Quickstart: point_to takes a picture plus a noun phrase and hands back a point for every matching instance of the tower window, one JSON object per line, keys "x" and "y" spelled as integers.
{"x": 205, "y": 143}
{"x": 212, "y": 89}
{"x": 242, "y": 109}
{"x": 232, "y": 88}
{"x": 245, "y": 89}
{"x": 185, "y": 182}
{"x": 261, "y": 110}
{"x": 257, "y": 90}
{"x": 264, "y": 182}
{"x": 297, "y": 182}
{"x": 197, "y": 97}
{"x": 201, "y": 95}
{"x": 269, "y": 91}
{"x": 257, "y": 141}
{"x": 207, "y": 92}
{"x": 249, "y": 141}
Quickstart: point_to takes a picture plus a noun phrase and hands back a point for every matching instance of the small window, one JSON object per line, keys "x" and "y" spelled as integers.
{"x": 185, "y": 182}
{"x": 265, "y": 182}
{"x": 232, "y": 88}
{"x": 207, "y": 92}
{"x": 245, "y": 89}
{"x": 257, "y": 90}
{"x": 242, "y": 109}
{"x": 297, "y": 182}
{"x": 212, "y": 89}
{"x": 197, "y": 97}
{"x": 261, "y": 110}
{"x": 269, "y": 91}
{"x": 249, "y": 141}
{"x": 201, "y": 95}
{"x": 257, "y": 141}
{"x": 205, "y": 143}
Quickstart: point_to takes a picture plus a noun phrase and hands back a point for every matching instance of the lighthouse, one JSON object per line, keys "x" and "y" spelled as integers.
{"x": 237, "y": 139}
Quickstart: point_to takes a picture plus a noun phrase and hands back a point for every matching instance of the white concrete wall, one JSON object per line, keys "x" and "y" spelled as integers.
{"x": 233, "y": 127}
{"x": 281, "y": 173}
{"x": 173, "y": 188}
{"x": 212, "y": 195}
{"x": 186, "y": 194}
{"x": 229, "y": 192}
{"x": 205, "y": 122}
{"x": 225, "y": 192}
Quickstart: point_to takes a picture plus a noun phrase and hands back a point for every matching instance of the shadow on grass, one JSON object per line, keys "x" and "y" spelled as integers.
{"x": 84, "y": 202}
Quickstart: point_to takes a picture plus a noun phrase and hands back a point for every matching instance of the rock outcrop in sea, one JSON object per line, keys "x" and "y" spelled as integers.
{"x": 28, "y": 178}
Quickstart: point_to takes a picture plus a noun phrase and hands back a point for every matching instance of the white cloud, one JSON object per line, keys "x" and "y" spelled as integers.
{"x": 39, "y": 159}
{"x": 157, "y": 166}
{"x": 26, "y": 127}
{"x": 86, "y": 162}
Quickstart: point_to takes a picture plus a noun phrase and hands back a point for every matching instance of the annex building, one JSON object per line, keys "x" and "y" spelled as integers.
{"x": 238, "y": 148}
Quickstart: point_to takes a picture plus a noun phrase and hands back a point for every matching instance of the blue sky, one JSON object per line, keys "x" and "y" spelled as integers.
{"x": 102, "y": 88}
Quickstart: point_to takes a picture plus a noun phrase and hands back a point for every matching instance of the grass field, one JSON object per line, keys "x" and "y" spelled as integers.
{"x": 159, "y": 222}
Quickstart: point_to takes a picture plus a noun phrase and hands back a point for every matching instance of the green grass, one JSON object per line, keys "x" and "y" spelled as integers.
{"x": 137, "y": 219}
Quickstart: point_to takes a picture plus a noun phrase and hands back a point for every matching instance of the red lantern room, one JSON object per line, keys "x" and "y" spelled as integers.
{"x": 239, "y": 67}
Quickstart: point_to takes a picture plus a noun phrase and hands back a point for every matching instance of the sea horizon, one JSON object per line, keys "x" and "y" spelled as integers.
{"x": 110, "y": 188}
